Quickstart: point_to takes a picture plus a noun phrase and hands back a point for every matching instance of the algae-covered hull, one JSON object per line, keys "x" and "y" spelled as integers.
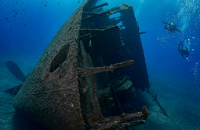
{"x": 71, "y": 87}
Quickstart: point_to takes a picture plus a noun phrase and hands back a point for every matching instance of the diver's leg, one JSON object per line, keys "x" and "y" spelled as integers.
{"x": 178, "y": 31}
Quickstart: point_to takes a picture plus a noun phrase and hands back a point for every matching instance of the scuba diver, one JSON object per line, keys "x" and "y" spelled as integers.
{"x": 183, "y": 48}
{"x": 171, "y": 27}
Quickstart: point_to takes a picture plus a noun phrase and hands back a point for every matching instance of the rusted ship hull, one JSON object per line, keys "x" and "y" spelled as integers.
{"x": 65, "y": 91}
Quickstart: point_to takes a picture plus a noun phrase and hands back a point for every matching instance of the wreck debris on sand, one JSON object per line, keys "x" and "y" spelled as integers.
{"x": 66, "y": 90}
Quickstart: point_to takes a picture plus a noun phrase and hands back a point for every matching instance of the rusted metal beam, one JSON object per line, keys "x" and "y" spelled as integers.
{"x": 94, "y": 70}
{"x": 113, "y": 122}
{"x": 94, "y": 14}
{"x": 96, "y": 7}
{"x": 143, "y": 32}
{"x": 92, "y": 31}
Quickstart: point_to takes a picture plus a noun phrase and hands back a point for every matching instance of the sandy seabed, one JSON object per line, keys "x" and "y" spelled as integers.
{"x": 10, "y": 119}
{"x": 179, "y": 104}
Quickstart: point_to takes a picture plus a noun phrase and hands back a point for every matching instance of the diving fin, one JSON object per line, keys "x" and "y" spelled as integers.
{"x": 15, "y": 70}
{"x": 13, "y": 91}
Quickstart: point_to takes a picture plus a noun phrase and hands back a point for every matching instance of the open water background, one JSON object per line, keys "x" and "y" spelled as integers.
{"x": 27, "y": 27}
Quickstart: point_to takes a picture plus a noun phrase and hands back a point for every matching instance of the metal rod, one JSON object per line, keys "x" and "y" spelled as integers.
{"x": 105, "y": 4}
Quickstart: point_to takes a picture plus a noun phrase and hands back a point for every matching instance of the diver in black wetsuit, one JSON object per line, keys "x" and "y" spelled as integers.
{"x": 171, "y": 27}
{"x": 183, "y": 48}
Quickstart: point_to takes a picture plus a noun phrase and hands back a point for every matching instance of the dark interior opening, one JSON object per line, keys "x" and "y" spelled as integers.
{"x": 59, "y": 58}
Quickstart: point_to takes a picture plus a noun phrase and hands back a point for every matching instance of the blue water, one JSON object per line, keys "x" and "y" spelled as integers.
{"x": 27, "y": 27}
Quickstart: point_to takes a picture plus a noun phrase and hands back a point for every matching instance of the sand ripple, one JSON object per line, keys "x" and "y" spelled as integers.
{"x": 9, "y": 118}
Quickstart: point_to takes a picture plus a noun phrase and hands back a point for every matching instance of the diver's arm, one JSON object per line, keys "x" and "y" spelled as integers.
{"x": 165, "y": 22}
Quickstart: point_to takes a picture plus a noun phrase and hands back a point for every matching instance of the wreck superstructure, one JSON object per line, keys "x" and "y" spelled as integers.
{"x": 80, "y": 81}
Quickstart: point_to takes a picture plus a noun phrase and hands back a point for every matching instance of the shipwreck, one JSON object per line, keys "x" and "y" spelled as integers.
{"x": 91, "y": 67}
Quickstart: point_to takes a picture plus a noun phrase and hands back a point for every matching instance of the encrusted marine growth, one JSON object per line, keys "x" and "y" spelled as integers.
{"x": 79, "y": 81}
